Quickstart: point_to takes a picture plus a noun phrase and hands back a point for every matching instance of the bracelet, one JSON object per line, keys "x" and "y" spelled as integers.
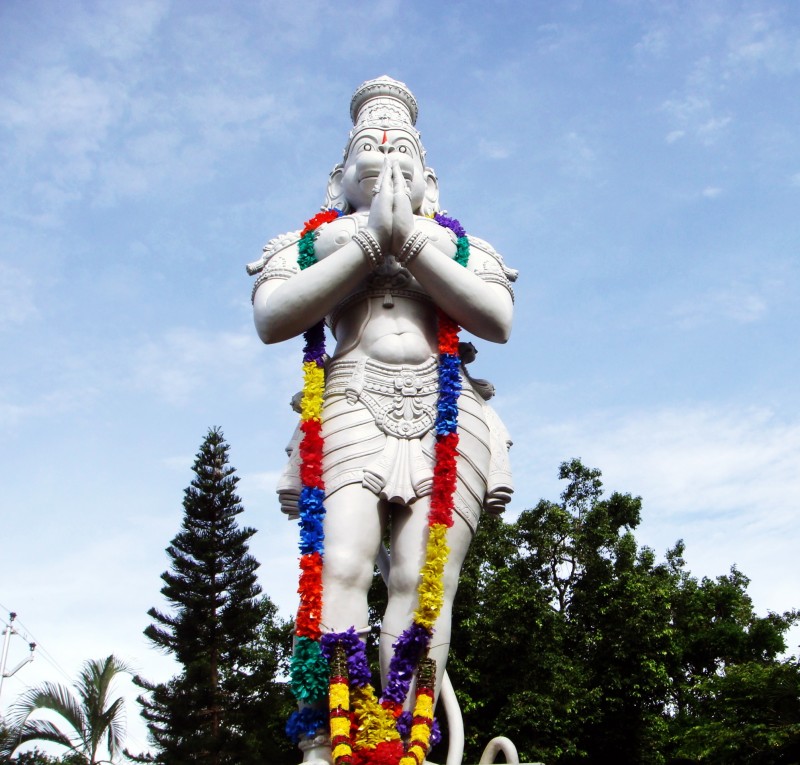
{"x": 370, "y": 247}
{"x": 412, "y": 248}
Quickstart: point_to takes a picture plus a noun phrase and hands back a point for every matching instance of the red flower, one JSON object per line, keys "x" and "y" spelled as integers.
{"x": 326, "y": 216}
{"x": 310, "y": 589}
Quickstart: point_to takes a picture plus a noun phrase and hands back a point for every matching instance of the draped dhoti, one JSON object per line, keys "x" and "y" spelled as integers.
{"x": 378, "y": 429}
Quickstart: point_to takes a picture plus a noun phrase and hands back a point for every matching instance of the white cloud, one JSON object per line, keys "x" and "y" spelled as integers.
{"x": 761, "y": 40}
{"x": 712, "y": 192}
{"x": 723, "y": 478}
{"x": 578, "y": 158}
{"x": 709, "y": 131}
{"x": 184, "y": 361}
{"x": 17, "y": 304}
{"x": 653, "y": 43}
{"x": 493, "y": 149}
{"x": 262, "y": 482}
{"x": 58, "y": 106}
{"x": 694, "y": 114}
{"x": 740, "y": 303}
{"x": 130, "y": 25}
{"x": 181, "y": 363}
{"x": 44, "y": 405}
{"x": 179, "y": 464}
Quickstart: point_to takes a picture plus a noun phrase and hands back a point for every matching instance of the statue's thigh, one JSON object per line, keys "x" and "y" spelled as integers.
{"x": 354, "y": 523}
{"x": 409, "y": 540}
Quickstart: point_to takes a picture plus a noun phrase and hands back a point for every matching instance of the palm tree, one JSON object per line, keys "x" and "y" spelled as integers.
{"x": 91, "y": 719}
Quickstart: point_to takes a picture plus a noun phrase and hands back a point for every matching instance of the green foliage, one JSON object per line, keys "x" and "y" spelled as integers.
{"x": 581, "y": 647}
{"x": 748, "y": 714}
{"x": 95, "y": 723}
{"x": 226, "y": 705}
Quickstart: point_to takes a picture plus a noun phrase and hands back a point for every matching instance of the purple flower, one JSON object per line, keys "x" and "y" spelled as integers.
{"x": 450, "y": 223}
{"x": 314, "y": 349}
{"x": 358, "y": 671}
{"x": 408, "y": 648}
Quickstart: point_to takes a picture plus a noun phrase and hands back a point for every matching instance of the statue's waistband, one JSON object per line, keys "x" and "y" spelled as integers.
{"x": 349, "y": 376}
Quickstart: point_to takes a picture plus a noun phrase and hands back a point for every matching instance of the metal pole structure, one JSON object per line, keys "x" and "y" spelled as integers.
{"x": 6, "y": 640}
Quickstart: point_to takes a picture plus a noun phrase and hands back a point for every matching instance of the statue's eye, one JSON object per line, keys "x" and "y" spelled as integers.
{"x": 403, "y": 149}
{"x": 367, "y": 147}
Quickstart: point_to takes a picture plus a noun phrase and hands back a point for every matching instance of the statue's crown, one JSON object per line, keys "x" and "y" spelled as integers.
{"x": 384, "y": 103}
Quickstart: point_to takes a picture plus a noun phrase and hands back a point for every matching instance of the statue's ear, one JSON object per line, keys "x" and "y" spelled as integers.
{"x": 335, "y": 193}
{"x": 430, "y": 204}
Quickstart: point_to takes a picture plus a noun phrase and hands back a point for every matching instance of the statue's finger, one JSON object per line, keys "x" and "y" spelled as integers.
{"x": 387, "y": 174}
{"x": 379, "y": 180}
{"x": 400, "y": 185}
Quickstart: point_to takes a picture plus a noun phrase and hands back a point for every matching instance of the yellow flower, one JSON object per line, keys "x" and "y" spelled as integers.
{"x": 375, "y": 724}
{"x": 340, "y": 726}
{"x": 431, "y": 589}
{"x": 313, "y": 387}
{"x": 340, "y": 751}
{"x": 423, "y": 706}
{"x": 339, "y": 696}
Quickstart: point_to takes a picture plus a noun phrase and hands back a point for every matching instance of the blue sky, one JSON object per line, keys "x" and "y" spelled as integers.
{"x": 638, "y": 162}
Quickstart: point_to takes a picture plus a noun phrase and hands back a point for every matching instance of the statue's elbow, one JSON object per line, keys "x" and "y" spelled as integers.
{"x": 502, "y": 334}
{"x": 502, "y": 326}
{"x": 266, "y": 329}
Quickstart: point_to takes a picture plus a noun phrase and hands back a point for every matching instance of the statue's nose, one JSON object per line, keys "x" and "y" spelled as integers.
{"x": 385, "y": 148}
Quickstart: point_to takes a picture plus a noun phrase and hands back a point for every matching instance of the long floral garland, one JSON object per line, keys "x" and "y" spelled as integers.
{"x": 365, "y": 731}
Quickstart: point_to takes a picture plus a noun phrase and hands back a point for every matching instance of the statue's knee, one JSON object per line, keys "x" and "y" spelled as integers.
{"x": 346, "y": 571}
{"x": 403, "y": 583}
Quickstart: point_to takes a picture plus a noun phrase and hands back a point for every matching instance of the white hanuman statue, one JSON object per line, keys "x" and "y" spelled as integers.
{"x": 394, "y": 434}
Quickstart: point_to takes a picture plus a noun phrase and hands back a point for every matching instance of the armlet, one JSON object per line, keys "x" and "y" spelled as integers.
{"x": 272, "y": 248}
{"x": 493, "y": 269}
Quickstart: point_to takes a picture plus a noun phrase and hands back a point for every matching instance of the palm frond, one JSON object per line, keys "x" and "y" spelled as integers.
{"x": 90, "y": 715}
{"x": 115, "y": 724}
{"x": 53, "y": 696}
{"x": 40, "y": 730}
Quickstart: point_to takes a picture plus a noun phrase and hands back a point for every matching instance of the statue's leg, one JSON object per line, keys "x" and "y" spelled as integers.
{"x": 409, "y": 536}
{"x": 354, "y": 523}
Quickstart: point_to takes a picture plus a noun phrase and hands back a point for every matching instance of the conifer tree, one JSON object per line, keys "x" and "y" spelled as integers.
{"x": 217, "y": 709}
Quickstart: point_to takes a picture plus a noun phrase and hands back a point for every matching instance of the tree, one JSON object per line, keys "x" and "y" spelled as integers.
{"x": 226, "y": 637}
{"x": 749, "y": 714}
{"x": 96, "y": 724}
{"x": 37, "y": 757}
{"x": 581, "y": 647}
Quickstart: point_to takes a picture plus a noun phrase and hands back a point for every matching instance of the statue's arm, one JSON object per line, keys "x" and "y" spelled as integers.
{"x": 288, "y": 301}
{"x": 285, "y": 308}
{"x": 483, "y": 306}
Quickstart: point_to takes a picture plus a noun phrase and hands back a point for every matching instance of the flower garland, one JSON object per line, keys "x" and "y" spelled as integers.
{"x": 365, "y": 731}
{"x": 309, "y": 668}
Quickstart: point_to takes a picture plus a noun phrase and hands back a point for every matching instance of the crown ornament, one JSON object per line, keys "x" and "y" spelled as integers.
{"x": 384, "y": 103}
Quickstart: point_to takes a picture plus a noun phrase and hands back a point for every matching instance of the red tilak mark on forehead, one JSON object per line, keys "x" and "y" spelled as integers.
{"x": 384, "y": 137}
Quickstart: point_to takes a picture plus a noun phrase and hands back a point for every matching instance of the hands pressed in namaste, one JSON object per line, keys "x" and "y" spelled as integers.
{"x": 391, "y": 215}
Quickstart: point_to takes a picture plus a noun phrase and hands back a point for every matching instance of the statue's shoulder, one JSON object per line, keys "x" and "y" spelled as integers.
{"x": 278, "y": 253}
{"x": 485, "y": 259}
{"x": 334, "y": 235}
{"x": 441, "y": 236}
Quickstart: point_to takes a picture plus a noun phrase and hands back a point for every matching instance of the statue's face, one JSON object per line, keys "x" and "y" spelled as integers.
{"x": 365, "y": 159}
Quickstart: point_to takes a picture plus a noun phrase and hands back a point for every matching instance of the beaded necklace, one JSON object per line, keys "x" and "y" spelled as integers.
{"x": 365, "y": 730}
